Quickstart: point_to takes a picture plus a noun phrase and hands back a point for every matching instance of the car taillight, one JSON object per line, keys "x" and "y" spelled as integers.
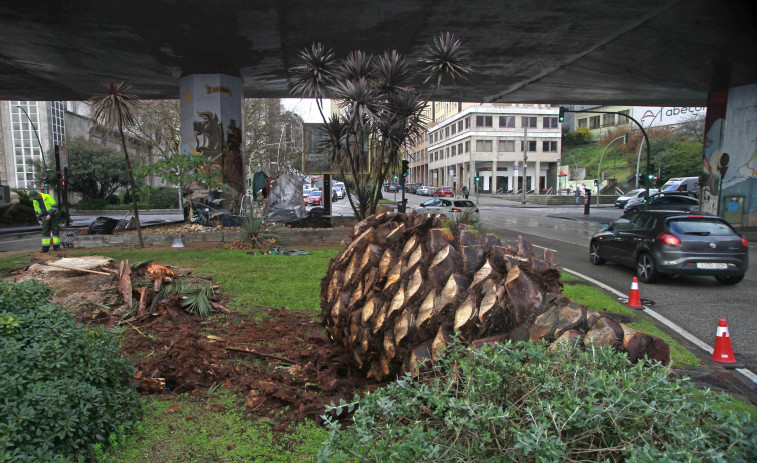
{"x": 455, "y": 210}
{"x": 669, "y": 239}
{"x": 476, "y": 211}
{"x": 744, "y": 242}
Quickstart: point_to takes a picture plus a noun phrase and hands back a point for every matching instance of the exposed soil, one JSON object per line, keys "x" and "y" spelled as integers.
{"x": 278, "y": 359}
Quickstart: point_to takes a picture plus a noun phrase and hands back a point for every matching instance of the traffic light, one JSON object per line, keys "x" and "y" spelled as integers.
{"x": 395, "y": 176}
{"x": 596, "y": 182}
{"x": 561, "y": 117}
{"x": 476, "y": 179}
{"x": 405, "y": 168}
{"x": 655, "y": 178}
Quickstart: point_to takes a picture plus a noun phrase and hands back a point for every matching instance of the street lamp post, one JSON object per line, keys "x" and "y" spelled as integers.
{"x": 644, "y": 132}
{"x": 599, "y": 169}
{"x": 42, "y": 151}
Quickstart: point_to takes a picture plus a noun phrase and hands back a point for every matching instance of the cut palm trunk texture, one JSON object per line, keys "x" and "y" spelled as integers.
{"x": 405, "y": 285}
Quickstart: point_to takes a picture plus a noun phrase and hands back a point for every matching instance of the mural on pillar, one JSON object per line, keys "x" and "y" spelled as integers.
{"x": 729, "y": 166}
{"x": 210, "y": 108}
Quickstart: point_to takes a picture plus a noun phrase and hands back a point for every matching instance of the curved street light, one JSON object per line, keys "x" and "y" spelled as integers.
{"x": 42, "y": 151}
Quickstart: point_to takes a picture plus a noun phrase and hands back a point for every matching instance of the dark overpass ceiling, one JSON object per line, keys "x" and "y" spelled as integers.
{"x": 643, "y": 52}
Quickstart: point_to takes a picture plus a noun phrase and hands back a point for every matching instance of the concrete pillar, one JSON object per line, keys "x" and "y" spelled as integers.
{"x": 211, "y": 125}
{"x": 494, "y": 176}
{"x": 537, "y": 173}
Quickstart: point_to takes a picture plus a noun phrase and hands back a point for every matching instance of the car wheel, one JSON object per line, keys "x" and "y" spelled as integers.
{"x": 645, "y": 268}
{"x": 730, "y": 279}
{"x": 594, "y": 256}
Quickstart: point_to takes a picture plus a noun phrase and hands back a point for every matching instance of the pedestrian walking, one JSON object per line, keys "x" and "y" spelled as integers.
{"x": 48, "y": 215}
{"x": 578, "y": 196}
{"x": 465, "y": 191}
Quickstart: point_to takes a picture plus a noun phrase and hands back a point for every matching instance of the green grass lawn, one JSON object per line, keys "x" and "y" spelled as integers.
{"x": 589, "y": 157}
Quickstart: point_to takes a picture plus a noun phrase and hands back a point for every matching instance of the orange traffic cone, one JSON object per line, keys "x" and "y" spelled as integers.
{"x": 633, "y": 299}
{"x": 723, "y": 353}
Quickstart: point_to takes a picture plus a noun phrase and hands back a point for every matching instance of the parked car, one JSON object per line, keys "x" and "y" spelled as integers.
{"x": 411, "y": 187}
{"x": 665, "y": 201}
{"x": 423, "y": 190}
{"x": 314, "y": 199}
{"x": 390, "y": 187}
{"x": 452, "y": 208}
{"x": 444, "y": 191}
{"x": 672, "y": 243}
{"x": 623, "y": 200}
{"x": 306, "y": 192}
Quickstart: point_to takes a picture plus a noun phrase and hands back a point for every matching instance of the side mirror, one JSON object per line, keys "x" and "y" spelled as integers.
{"x": 605, "y": 226}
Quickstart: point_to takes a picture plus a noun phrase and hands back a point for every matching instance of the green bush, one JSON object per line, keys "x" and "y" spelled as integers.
{"x": 525, "y": 402}
{"x": 113, "y": 199}
{"x": 24, "y": 198}
{"x": 580, "y": 136}
{"x": 63, "y": 388}
{"x": 163, "y": 198}
{"x": 94, "y": 204}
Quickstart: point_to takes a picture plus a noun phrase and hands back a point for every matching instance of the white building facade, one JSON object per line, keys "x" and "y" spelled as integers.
{"x": 494, "y": 142}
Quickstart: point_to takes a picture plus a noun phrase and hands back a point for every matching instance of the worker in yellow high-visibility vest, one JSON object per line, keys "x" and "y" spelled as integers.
{"x": 48, "y": 216}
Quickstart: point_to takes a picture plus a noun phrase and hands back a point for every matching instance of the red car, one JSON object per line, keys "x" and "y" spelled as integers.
{"x": 444, "y": 191}
{"x": 314, "y": 199}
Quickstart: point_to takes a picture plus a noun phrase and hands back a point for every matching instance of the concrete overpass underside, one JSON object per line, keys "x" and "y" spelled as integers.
{"x": 645, "y": 52}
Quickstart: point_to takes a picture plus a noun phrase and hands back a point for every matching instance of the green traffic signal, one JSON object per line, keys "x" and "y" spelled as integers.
{"x": 562, "y": 114}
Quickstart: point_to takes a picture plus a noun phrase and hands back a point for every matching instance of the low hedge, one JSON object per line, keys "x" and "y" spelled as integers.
{"x": 63, "y": 388}
{"x": 526, "y": 403}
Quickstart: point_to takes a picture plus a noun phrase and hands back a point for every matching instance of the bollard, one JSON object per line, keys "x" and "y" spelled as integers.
{"x": 587, "y": 202}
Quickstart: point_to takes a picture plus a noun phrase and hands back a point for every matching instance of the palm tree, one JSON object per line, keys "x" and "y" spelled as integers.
{"x": 115, "y": 109}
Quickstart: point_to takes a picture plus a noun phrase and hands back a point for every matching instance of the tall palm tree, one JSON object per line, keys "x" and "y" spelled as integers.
{"x": 115, "y": 109}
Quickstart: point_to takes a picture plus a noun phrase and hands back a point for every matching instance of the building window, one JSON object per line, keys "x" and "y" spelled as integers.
{"x": 550, "y": 122}
{"x": 467, "y": 146}
{"x": 624, "y": 120}
{"x": 594, "y": 122}
{"x": 460, "y": 126}
{"x": 460, "y": 148}
{"x": 608, "y": 119}
{"x": 454, "y": 150}
{"x": 59, "y": 127}
{"x": 454, "y": 128}
{"x": 483, "y": 146}
{"x": 582, "y": 122}
{"x": 549, "y": 146}
{"x": 483, "y": 121}
{"x": 528, "y": 121}
{"x": 446, "y": 132}
{"x": 531, "y": 145}
{"x": 507, "y": 122}
{"x": 446, "y": 152}
{"x": 24, "y": 140}
{"x": 467, "y": 122}
{"x": 507, "y": 146}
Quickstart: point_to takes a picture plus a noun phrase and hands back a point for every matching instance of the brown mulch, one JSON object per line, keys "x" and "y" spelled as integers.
{"x": 275, "y": 359}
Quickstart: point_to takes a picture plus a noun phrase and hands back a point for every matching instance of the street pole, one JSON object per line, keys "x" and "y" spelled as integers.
{"x": 44, "y": 164}
{"x": 638, "y": 160}
{"x": 525, "y": 161}
{"x": 599, "y": 169}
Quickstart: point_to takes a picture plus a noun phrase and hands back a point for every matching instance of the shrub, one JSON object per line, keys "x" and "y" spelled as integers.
{"x": 580, "y": 136}
{"x": 525, "y": 402}
{"x": 63, "y": 388}
{"x": 163, "y": 198}
{"x": 94, "y": 204}
{"x": 113, "y": 199}
{"x": 24, "y": 198}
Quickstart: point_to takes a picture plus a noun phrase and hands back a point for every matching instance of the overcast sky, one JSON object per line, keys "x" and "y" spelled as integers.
{"x": 305, "y": 107}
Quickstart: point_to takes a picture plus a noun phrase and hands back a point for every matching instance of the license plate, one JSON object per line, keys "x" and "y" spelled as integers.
{"x": 712, "y": 265}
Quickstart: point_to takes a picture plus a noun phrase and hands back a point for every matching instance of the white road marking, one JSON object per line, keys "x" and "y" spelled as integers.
{"x": 548, "y": 249}
{"x": 669, "y": 323}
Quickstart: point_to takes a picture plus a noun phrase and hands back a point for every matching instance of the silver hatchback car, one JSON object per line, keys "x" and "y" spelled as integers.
{"x": 673, "y": 243}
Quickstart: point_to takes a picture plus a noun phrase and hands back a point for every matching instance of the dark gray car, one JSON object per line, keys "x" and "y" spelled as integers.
{"x": 672, "y": 243}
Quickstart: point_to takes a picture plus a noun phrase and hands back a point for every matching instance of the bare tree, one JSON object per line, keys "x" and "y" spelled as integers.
{"x": 115, "y": 110}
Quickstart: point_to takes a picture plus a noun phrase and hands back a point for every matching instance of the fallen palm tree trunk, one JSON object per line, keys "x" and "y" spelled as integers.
{"x": 405, "y": 285}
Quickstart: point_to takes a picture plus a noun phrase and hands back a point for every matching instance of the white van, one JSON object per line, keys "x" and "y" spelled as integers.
{"x": 683, "y": 185}
{"x": 340, "y": 189}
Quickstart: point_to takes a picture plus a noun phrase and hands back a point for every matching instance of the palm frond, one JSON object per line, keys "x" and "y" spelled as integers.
{"x": 445, "y": 58}
{"x": 195, "y": 297}
{"x": 115, "y": 107}
{"x": 357, "y": 65}
{"x": 391, "y": 72}
{"x": 316, "y": 73}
